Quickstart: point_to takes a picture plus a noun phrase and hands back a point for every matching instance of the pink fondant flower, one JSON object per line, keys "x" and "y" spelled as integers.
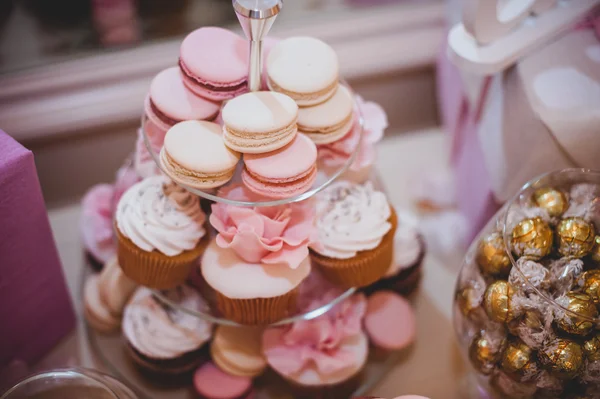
{"x": 96, "y": 222}
{"x": 290, "y": 349}
{"x": 98, "y": 208}
{"x": 375, "y": 123}
{"x": 270, "y": 235}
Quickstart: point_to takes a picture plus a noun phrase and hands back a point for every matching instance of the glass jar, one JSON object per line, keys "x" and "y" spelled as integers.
{"x": 74, "y": 383}
{"x": 526, "y": 300}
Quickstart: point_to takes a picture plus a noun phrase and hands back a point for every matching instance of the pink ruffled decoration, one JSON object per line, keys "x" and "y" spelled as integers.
{"x": 96, "y": 222}
{"x": 290, "y": 349}
{"x": 375, "y": 123}
{"x": 98, "y": 208}
{"x": 270, "y": 235}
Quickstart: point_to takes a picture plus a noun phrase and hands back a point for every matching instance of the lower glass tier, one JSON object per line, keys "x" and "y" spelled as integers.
{"x": 110, "y": 351}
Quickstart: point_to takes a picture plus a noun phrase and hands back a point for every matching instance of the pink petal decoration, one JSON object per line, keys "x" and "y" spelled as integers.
{"x": 290, "y": 349}
{"x": 269, "y": 235}
{"x": 96, "y": 222}
{"x": 375, "y": 123}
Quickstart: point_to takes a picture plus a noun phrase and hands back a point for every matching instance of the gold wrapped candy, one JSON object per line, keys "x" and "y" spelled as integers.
{"x": 518, "y": 359}
{"x": 582, "y": 305}
{"x": 497, "y": 301}
{"x": 492, "y": 257}
{"x": 595, "y": 253}
{"x": 532, "y": 238}
{"x": 467, "y": 300}
{"x": 575, "y": 237}
{"x": 552, "y": 200}
{"x": 590, "y": 281}
{"x": 591, "y": 348}
{"x": 484, "y": 354}
{"x": 564, "y": 358}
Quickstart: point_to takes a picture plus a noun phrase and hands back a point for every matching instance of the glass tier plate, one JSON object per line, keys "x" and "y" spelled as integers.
{"x": 322, "y": 181}
{"x": 110, "y": 351}
{"x": 212, "y": 315}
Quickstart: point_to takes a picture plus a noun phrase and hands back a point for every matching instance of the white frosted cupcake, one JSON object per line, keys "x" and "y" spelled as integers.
{"x": 165, "y": 342}
{"x": 356, "y": 227}
{"x": 160, "y": 230}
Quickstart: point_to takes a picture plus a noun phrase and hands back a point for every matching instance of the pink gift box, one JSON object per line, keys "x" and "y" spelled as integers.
{"x": 35, "y": 307}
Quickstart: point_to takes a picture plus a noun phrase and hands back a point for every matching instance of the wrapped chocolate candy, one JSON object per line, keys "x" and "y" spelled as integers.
{"x": 551, "y": 200}
{"x": 532, "y": 238}
{"x": 485, "y": 351}
{"x": 591, "y": 348}
{"x": 492, "y": 257}
{"x": 590, "y": 285}
{"x": 581, "y": 312}
{"x": 564, "y": 274}
{"x": 595, "y": 252}
{"x": 497, "y": 301}
{"x": 529, "y": 273}
{"x": 518, "y": 361}
{"x": 563, "y": 357}
{"x": 534, "y": 326}
{"x": 575, "y": 237}
{"x": 506, "y": 386}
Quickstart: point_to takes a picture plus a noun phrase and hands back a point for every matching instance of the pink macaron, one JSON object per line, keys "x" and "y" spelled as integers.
{"x": 212, "y": 383}
{"x": 214, "y": 62}
{"x": 390, "y": 321}
{"x": 170, "y": 102}
{"x": 286, "y": 172}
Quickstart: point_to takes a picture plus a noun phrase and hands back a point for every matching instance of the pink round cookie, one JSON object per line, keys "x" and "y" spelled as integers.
{"x": 283, "y": 173}
{"x": 214, "y": 62}
{"x": 170, "y": 102}
{"x": 411, "y": 397}
{"x": 212, "y": 383}
{"x": 390, "y": 321}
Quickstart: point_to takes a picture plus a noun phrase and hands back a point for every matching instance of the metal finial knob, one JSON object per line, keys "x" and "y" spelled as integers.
{"x": 256, "y": 18}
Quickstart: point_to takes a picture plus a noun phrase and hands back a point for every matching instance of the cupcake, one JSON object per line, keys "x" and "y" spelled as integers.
{"x": 405, "y": 272}
{"x": 355, "y": 227}
{"x": 322, "y": 357}
{"x": 164, "y": 343}
{"x": 160, "y": 230}
{"x": 251, "y": 293}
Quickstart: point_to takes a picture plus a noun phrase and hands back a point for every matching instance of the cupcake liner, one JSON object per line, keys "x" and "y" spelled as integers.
{"x": 167, "y": 372}
{"x": 366, "y": 267}
{"x": 404, "y": 282}
{"x": 256, "y": 311}
{"x": 154, "y": 269}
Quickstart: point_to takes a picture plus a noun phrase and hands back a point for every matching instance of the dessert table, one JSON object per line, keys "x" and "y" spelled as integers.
{"x": 433, "y": 367}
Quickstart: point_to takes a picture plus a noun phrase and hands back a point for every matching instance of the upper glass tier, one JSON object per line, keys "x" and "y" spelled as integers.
{"x": 323, "y": 180}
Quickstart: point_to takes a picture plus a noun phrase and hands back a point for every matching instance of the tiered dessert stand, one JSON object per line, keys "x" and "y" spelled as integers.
{"x": 256, "y": 18}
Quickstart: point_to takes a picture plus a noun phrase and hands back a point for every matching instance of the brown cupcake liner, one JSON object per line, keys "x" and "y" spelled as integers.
{"x": 404, "y": 282}
{"x": 168, "y": 372}
{"x": 366, "y": 267}
{"x": 256, "y": 311}
{"x": 155, "y": 269}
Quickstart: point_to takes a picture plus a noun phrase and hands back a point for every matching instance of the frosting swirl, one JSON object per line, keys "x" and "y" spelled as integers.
{"x": 350, "y": 218}
{"x": 158, "y": 214}
{"x": 162, "y": 332}
{"x": 407, "y": 249}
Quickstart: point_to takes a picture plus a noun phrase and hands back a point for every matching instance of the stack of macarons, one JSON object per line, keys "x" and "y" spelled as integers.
{"x": 105, "y": 296}
{"x": 273, "y": 133}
